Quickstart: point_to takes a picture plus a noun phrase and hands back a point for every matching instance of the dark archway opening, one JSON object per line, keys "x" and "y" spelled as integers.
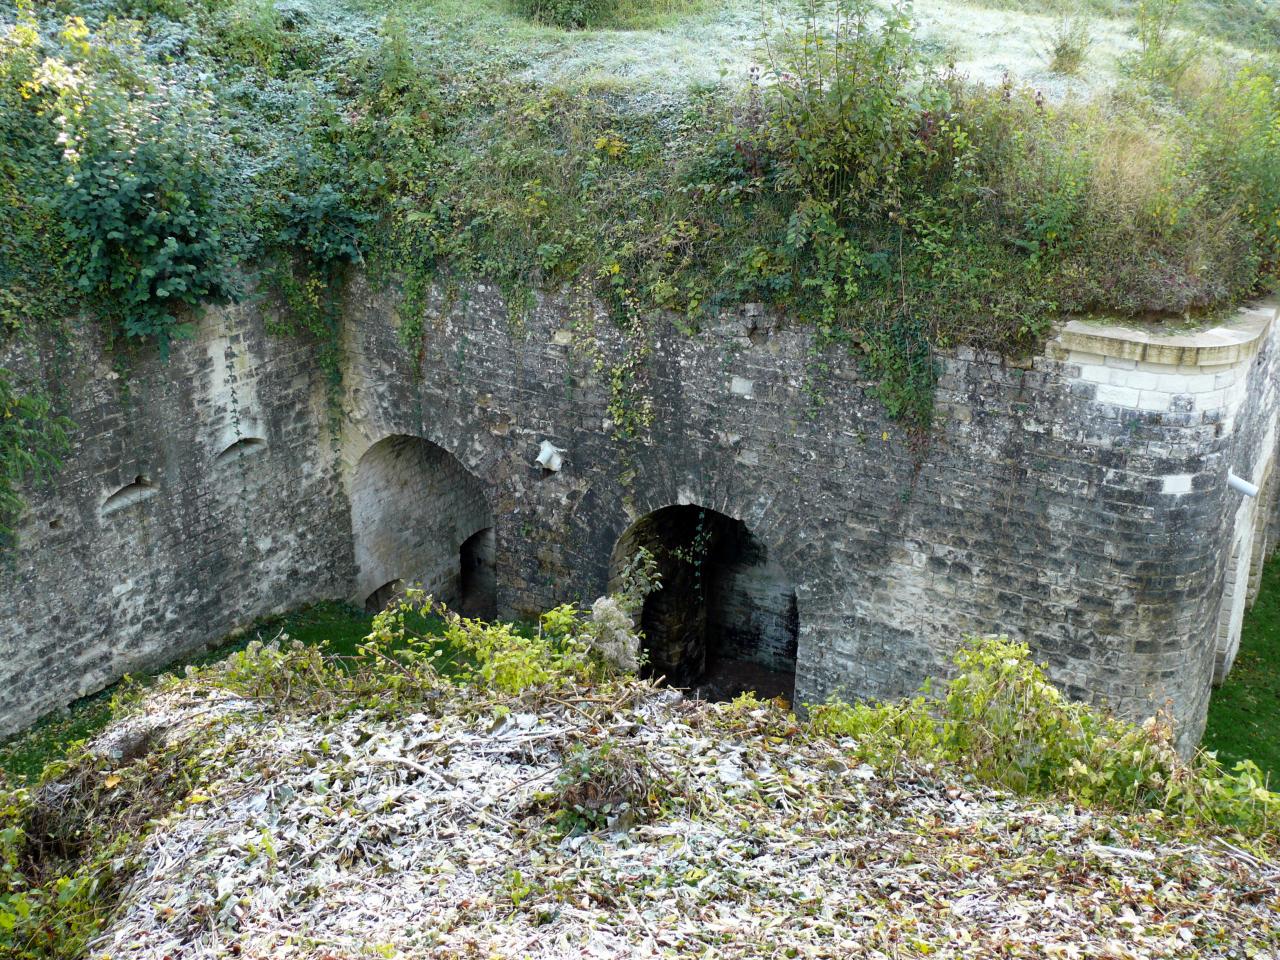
{"x": 725, "y": 620}
{"x": 377, "y": 601}
{"x": 419, "y": 518}
{"x": 479, "y": 582}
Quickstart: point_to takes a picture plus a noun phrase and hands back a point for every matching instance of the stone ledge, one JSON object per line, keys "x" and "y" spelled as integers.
{"x": 1233, "y": 342}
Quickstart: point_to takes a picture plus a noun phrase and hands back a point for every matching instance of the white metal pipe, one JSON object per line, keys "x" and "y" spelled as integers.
{"x": 1241, "y": 484}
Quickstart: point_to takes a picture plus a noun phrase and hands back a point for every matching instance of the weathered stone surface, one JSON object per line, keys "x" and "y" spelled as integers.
{"x": 227, "y": 531}
{"x": 1093, "y": 523}
{"x": 412, "y": 506}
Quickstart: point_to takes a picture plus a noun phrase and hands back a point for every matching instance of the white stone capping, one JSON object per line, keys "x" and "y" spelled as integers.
{"x": 1232, "y": 342}
{"x": 1204, "y": 370}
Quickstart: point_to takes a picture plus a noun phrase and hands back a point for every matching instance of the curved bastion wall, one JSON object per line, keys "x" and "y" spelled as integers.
{"x": 1078, "y": 500}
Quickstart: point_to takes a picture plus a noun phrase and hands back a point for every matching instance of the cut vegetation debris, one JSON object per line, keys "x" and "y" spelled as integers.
{"x": 432, "y": 836}
{"x": 537, "y": 804}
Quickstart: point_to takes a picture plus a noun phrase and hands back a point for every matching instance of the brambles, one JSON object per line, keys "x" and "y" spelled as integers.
{"x": 144, "y": 216}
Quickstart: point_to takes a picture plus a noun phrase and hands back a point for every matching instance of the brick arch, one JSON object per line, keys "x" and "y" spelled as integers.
{"x": 418, "y": 516}
{"x": 727, "y": 617}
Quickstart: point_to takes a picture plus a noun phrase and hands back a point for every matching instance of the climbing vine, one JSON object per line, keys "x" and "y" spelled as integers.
{"x": 32, "y": 441}
{"x": 694, "y": 553}
{"x": 852, "y": 185}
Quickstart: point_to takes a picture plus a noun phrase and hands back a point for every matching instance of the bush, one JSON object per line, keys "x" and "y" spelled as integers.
{"x": 848, "y": 99}
{"x": 568, "y": 14}
{"x": 415, "y": 651}
{"x": 1235, "y": 129}
{"x": 144, "y": 214}
{"x": 1164, "y": 55}
{"x": 137, "y": 189}
{"x": 1001, "y": 720}
{"x": 253, "y": 34}
{"x": 1068, "y": 43}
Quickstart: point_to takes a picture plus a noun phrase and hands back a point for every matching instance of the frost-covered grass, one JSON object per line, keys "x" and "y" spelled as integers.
{"x": 1253, "y": 24}
{"x": 683, "y": 45}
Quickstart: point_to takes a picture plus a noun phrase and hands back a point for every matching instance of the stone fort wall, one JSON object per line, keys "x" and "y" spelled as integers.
{"x": 1077, "y": 500}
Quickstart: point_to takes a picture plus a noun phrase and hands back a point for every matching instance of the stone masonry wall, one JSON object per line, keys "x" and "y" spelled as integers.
{"x": 1069, "y": 500}
{"x": 219, "y": 537}
{"x": 1049, "y": 505}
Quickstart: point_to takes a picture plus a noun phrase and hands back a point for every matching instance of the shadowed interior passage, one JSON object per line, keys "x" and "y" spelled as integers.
{"x": 419, "y": 518}
{"x": 725, "y": 620}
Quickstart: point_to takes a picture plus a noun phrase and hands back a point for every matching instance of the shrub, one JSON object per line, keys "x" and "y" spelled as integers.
{"x": 34, "y": 259}
{"x": 137, "y": 188}
{"x": 252, "y": 32}
{"x": 414, "y": 652}
{"x": 509, "y": 660}
{"x": 1001, "y": 720}
{"x": 1235, "y": 129}
{"x": 848, "y": 98}
{"x": 568, "y": 14}
{"x": 144, "y": 213}
{"x": 1068, "y": 43}
{"x": 1164, "y": 54}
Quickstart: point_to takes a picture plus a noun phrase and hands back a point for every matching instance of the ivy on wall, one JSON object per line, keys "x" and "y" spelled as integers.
{"x": 151, "y": 153}
{"x": 32, "y": 441}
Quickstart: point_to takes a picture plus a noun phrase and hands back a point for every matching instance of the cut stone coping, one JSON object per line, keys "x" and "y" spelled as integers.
{"x": 1231, "y": 342}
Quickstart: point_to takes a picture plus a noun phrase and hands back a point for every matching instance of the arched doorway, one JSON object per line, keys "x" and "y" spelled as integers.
{"x": 418, "y": 517}
{"x": 725, "y": 620}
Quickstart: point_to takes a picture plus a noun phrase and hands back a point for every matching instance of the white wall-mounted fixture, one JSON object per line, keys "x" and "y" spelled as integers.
{"x": 550, "y": 456}
{"x": 1241, "y": 484}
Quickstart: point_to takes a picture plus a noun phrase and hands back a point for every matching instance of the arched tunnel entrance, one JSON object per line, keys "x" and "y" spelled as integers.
{"x": 725, "y": 620}
{"x": 418, "y": 517}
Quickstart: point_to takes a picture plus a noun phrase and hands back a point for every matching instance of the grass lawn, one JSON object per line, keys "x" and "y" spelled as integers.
{"x": 338, "y": 626}
{"x": 1244, "y": 714}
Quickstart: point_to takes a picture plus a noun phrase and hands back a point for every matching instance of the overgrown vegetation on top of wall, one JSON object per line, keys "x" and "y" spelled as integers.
{"x": 156, "y": 150}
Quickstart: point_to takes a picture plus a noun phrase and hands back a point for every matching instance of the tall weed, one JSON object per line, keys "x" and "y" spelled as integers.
{"x": 1165, "y": 54}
